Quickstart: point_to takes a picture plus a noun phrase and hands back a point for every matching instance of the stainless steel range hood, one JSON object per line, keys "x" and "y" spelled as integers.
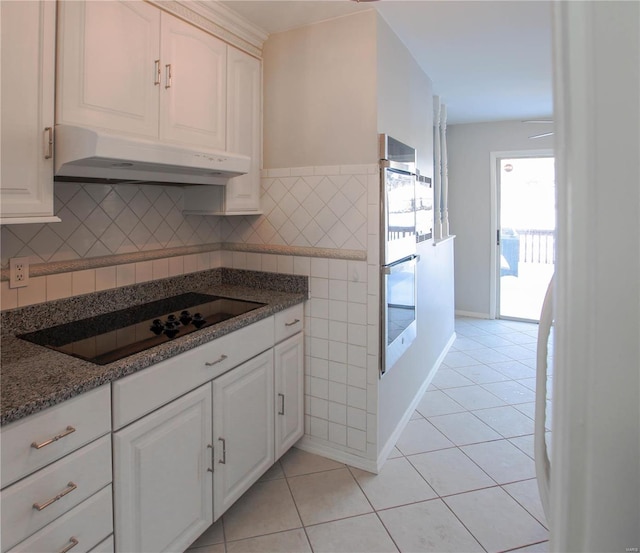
{"x": 90, "y": 155}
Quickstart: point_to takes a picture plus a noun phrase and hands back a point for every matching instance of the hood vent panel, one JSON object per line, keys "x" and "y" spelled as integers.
{"x": 90, "y": 155}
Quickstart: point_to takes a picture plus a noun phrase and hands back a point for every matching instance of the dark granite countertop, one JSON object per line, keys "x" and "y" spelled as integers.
{"x": 34, "y": 377}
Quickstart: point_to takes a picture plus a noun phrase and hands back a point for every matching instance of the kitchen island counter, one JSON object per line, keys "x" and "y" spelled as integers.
{"x": 34, "y": 377}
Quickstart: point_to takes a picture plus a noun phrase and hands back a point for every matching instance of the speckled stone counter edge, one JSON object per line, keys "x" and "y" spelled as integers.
{"x": 34, "y": 377}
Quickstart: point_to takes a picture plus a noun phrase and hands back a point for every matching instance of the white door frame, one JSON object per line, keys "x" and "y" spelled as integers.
{"x": 494, "y": 290}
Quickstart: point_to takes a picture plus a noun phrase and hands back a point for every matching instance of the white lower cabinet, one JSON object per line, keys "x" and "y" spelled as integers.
{"x": 162, "y": 484}
{"x": 289, "y": 388}
{"x": 242, "y": 429}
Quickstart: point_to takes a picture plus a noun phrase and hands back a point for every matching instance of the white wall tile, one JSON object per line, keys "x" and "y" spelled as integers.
{"x": 373, "y": 369}
{"x": 319, "y": 308}
{"x": 301, "y": 266}
{"x": 357, "y": 335}
{"x": 356, "y": 418}
{"x": 337, "y": 413}
{"x": 357, "y": 271}
{"x": 357, "y": 439}
{"x": 160, "y": 268}
{"x": 319, "y": 328}
{"x": 319, "y": 388}
{"x": 270, "y": 263}
{"x": 319, "y": 368}
{"x": 126, "y": 274}
{"x": 319, "y": 287}
{"x": 285, "y": 264}
{"x": 83, "y": 282}
{"x": 8, "y": 296}
{"x": 226, "y": 259}
{"x": 319, "y": 267}
{"x": 338, "y": 434}
{"x": 357, "y": 292}
{"x": 357, "y": 355}
{"x": 106, "y": 278}
{"x": 357, "y": 376}
{"x": 190, "y": 263}
{"x": 204, "y": 261}
{"x": 337, "y": 352}
{"x": 338, "y": 310}
{"x": 216, "y": 259}
{"x": 144, "y": 271}
{"x": 338, "y": 269}
{"x": 254, "y": 261}
{"x": 319, "y": 348}
{"x": 319, "y": 428}
{"x": 301, "y": 171}
{"x": 35, "y": 292}
{"x": 338, "y": 289}
{"x": 357, "y": 314}
{"x": 176, "y": 265}
{"x": 338, "y": 331}
{"x": 337, "y": 393}
{"x": 319, "y": 408}
{"x": 337, "y": 372}
{"x": 356, "y": 397}
{"x": 59, "y": 286}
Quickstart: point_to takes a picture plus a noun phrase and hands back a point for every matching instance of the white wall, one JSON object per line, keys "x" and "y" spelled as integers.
{"x": 319, "y": 94}
{"x": 405, "y": 111}
{"x": 469, "y": 150}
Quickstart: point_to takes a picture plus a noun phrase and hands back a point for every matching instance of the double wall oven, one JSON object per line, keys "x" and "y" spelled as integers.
{"x": 398, "y": 252}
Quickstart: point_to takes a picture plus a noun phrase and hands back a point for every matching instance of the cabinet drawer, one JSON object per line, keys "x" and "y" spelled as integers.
{"x": 30, "y": 504}
{"x": 142, "y": 392}
{"x": 289, "y": 322}
{"x": 87, "y": 524}
{"x": 37, "y": 440}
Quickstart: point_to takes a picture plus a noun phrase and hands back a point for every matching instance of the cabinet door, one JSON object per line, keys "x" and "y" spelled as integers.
{"x": 242, "y": 429}
{"x": 289, "y": 386}
{"x": 28, "y": 70}
{"x": 107, "y": 69}
{"x": 244, "y": 129}
{"x": 162, "y": 478}
{"x": 193, "y": 95}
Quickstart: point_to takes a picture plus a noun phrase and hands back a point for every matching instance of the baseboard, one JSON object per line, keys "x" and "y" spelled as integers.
{"x": 312, "y": 445}
{"x": 395, "y": 436}
{"x": 472, "y": 314}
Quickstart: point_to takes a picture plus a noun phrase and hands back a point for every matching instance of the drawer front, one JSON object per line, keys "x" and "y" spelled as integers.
{"x": 142, "y": 392}
{"x": 106, "y": 546}
{"x": 289, "y": 322}
{"x": 31, "y": 504}
{"x": 88, "y": 524}
{"x": 35, "y": 441}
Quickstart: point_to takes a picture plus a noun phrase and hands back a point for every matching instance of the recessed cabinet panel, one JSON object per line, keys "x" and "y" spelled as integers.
{"x": 242, "y": 429}
{"x": 193, "y": 95}
{"x": 107, "y": 70}
{"x": 289, "y": 386}
{"x": 28, "y": 70}
{"x": 162, "y": 481}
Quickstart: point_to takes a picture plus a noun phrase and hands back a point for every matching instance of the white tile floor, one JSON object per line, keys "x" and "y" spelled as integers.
{"x": 461, "y": 478}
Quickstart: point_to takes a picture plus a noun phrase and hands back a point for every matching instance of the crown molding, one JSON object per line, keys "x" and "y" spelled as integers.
{"x": 218, "y": 20}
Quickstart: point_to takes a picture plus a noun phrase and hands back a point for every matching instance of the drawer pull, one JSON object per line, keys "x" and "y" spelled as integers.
{"x": 224, "y": 451}
{"x": 72, "y": 543}
{"x": 70, "y": 487}
{"x": 281, "y": 410}
{"x": 294, "y": 322}
{"x": 219, "y": 360}
{"x": 69, "y": 430}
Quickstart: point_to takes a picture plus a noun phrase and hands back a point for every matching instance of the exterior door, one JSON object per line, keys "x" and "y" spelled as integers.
{"x": 526, "y": 234}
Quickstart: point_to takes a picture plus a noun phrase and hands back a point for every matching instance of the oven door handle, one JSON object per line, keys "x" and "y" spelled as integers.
{"x": 399, "y": 265}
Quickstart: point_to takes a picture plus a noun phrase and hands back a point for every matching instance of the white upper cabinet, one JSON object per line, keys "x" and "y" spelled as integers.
{"x": 193, "y": 90}
{"x": 128, "y": 67}
{"x": 28, "y": 72}
{"x": 241, "y": 195}
{"x": 244, "y": 129}
{"x": 108, "y": 63}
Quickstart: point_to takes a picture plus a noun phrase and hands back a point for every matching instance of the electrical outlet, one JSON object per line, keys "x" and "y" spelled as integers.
{"x": 18, "y": 272}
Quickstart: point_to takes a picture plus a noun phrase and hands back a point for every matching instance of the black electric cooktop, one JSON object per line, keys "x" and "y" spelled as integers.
{"x": 113, "y": 336}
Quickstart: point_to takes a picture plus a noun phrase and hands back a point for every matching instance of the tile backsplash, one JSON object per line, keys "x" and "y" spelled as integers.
{"x": 101, "y": 220}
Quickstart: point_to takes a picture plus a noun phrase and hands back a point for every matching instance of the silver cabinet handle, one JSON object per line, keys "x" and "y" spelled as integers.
{"x": 167, "y": 83}
{"x": 281, "y": 410}
{"x": 70, "y": 487}
{"x": 156, "y": 72}
{"x": 73, "y": 542}
{"x": 294, "y": 322}
{"x": 224, "y": 451}
{"x": 219, "y": 360}
{"x": 68, "y": 430}
{"x": 48, "y": 142}
{"x": 211, "y": 448}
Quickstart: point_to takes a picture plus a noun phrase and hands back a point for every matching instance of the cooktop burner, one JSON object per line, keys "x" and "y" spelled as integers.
{"x": 113, "y": 336}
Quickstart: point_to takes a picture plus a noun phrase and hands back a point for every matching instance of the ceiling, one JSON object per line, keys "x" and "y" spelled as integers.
{"x": 488, "y": 60}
